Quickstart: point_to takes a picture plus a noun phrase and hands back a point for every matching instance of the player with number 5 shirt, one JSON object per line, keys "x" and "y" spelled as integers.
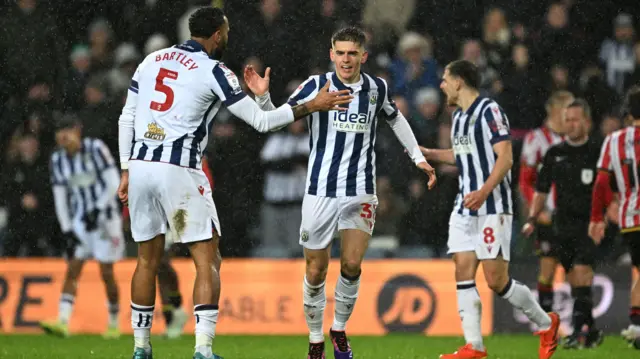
{"x": 174, "y": 96}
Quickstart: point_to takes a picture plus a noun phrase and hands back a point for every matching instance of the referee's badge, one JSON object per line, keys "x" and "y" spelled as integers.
{"x": 587, "y": 176}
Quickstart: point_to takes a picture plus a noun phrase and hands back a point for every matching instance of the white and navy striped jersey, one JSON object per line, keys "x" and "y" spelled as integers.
{"x": 83, "y": 175}
{"x": 342, "y": 159}
{"x": 179, "y": 91}
{"x": 473, "y": 134}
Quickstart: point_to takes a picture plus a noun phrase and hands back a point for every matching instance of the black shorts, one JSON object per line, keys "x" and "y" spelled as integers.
{"x": 574, "y": 246}
{"x": 633, "y": 242}
{"x": 545, "y": 241}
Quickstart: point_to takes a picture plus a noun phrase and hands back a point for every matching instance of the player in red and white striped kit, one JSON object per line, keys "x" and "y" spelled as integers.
{"x": 536, "y": 144}
{"x": 619, "y": 170}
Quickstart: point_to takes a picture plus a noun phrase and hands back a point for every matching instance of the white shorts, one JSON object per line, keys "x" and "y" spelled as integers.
{"x": 106, "y": 244}
{"x": 168, "y": 241}
{"x": 161, "y": 193}
{"x": 487, "y": 235}
{"x": 323, "y": 217}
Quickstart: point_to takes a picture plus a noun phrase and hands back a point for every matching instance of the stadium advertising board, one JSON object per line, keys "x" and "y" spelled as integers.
{"x": 258, "y": 297}
{"x": 611, "y": 289}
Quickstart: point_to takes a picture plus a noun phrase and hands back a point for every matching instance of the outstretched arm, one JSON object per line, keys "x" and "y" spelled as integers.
{"x": 404, "y": 134}
{"x": 226, "y": 86}
{"x": 260, "y": 87}
{"x": 438, "y": 155}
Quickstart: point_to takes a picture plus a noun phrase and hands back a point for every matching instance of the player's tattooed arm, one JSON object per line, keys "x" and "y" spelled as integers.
{"x": 301, "y": 111}
{"x": 324, "y": 101}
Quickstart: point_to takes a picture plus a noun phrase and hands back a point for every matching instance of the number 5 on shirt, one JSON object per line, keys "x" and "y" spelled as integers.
{"x": 161, "y": 87}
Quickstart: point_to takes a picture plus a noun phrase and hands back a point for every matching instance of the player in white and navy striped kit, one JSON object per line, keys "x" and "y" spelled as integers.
{"x": 84, "y": 175}
{"x": 174, "y": 95}
{"x": 480, "y": 224}
{"x": 341, "y": 176}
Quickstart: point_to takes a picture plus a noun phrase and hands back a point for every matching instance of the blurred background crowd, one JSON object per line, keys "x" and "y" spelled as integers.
{"x": 78, "y": 56}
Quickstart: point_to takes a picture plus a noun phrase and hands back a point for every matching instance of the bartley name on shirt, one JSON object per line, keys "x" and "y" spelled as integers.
{"x": 179, "y": 57}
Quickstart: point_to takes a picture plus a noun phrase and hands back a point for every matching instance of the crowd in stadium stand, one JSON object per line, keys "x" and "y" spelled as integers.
{"x": 78, "y": 56}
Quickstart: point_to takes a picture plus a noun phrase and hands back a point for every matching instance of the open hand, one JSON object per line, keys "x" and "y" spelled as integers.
{"x": 328, "y": 101}
{"x": 426, "y": 168}
{"x": 257, "y": 84}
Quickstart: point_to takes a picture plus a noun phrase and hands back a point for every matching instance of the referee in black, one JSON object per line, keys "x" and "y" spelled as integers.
{"x": 571, "y": 166}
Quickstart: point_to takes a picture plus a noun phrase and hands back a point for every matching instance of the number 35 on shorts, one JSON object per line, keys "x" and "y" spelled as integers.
{"x": 368, "y": 213}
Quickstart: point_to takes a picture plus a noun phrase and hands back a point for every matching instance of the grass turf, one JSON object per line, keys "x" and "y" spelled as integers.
{"x": 282, "y": 347}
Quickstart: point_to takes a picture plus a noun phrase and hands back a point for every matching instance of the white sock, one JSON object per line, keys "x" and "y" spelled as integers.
{"x": 206, "y": 319}
{"x": 141, "y": 321}
{"x": 470, "y": 309}
{"x": 345, "y": 299}
{"x": 521, "y": 297}
{"x": 65, "y": 308}
{"x": 114, "y": 310}
{"x": 315, "y": 300}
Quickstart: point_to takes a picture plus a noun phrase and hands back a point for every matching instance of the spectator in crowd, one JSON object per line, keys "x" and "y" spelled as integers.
{"x": 556, "y": 43}
{"x": 472, "y": 51}
{"x": 414, "y": 66}
{"x": 425, "y": 120}
{"x": 523, "y": 93}
{"x": 634, "y": 77}
{"x": 78, "y": 75}
{"x": 617, "y": 55}
{"x": 40, "y": 59}
{"x": 155, "y": 42}
{"x": 284, "y": 157}
{"x": 101, "y": 43}
{"x": 26, "y": 188}
{"x": 496, "y": 38}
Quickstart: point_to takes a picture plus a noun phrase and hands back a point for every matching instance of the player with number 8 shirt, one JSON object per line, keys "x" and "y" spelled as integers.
{"x": 174, "y": 96}
{"x": 480, "y": 224}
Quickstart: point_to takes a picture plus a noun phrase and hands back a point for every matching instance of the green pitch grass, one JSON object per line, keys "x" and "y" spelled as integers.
{"x": 278, "y": 347}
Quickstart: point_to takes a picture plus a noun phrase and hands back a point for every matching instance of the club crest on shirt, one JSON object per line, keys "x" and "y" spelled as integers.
{"x": 154, "y": 132}
{"x": 373, "y": 97}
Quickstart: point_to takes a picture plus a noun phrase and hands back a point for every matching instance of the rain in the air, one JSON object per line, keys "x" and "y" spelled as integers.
{"x": 453, "y": 179}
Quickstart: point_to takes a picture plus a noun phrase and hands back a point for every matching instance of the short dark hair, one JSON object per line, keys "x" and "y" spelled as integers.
{"x": 205, "y": 21}
{"x": 467, "y": 71}
{"x": 67, "y": 120}
{"x": 351, "y": 33}
{"x": 583, "y": 104}
{"x": 631, "y": 105}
